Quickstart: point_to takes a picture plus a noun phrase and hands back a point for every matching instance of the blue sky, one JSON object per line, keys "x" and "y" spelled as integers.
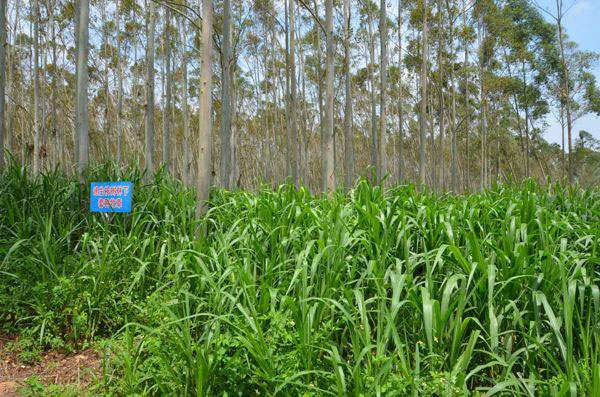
{"x": 582, "y": 24}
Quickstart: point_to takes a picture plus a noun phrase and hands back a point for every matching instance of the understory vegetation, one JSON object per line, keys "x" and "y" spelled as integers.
{"x": 371, "y": 292}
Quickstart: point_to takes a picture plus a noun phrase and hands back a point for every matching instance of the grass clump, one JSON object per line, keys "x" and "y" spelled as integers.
{"x": 373, "y": 292}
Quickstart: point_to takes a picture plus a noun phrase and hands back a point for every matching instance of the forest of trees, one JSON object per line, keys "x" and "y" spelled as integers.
{"x": 453, "y": 94}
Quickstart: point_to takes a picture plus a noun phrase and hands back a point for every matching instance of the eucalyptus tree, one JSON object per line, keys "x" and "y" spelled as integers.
{"x": 423, "y": 99}
{"x": 292, "y": 99}
{"x": 149, "y": 129}
{"x": 166, "y": 146}
{"x": 37, "y": 121}
{"x": 328, "y": 160}
{"x": 186, "y": 111}
{"x": 401, "y": 171}
{"x": 226, "y": 143}
{"x": 348, "y": 137}
{"x": 205, "y": 112}
{"x": 529, "y": 47}
{"x": 3, "y": 47}
{"x": 383, "y": 36}
{"x": 82, "y": 87}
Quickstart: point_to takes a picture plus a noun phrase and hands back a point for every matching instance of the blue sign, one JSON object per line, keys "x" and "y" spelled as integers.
{"x": 111, "y": 196}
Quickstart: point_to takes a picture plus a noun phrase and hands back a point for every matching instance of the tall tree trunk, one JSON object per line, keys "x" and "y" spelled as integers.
{"x": 400, "y": 107}
{"x": 275, "y": 143}
{"x": 11, "y": 80}
{"x": 205, "y": 123}
{"x": 328, "y": 161}
{"x": 3, "y": 47}
{"x": 562, "y": 130}
{"x": 166, "y": 146}
{"x": 293, "y": 121}
{"x": 527, "y": 169}
{"x": 467, "y": 107}
{"x": 54, "y": 131}
{"x": 288, "y": 149}
{"x": 106, "y": 88}
{"x": 226, "y": 98}
{"x": 453, "y": 170}
{"x": 348, "y": 138}
{"x": 482, "y": 102}
{"x": 149, "y": 158}
{"x": 374, "y": 140}
{"x": 383, "y": 92}
{"x": 423, "y": 105}
{"x": 82, "y": 86}
{"x": 441, "y": 119}
{"x": 566, "y": 96}
{"x": 186, "y": 111}
{"x": 319, "y": 81}
{"x": 120, "y": 89}
{"x": 36, "y": 88}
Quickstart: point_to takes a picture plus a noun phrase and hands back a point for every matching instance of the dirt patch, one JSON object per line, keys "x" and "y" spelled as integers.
{"x": 55, "y": 368}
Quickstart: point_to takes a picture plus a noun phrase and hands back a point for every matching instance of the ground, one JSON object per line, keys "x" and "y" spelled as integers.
{"x": 72, "y": 373}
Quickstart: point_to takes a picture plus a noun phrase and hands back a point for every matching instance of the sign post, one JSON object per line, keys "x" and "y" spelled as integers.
{"x": 111, "y": 196}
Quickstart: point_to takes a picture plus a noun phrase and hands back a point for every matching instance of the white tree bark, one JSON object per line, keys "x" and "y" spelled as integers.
{"x": 226, "y": 136}
{"x": 348, "y": 138}
{"x": 423, "y": 104}
{"x": 205, "y": 122}
{"x": 383, "y": 93}
{"x": 2, "y": 77}
{"x": 328, "y": 166}
{"x": 82, "y": 86}
{"x": 149, "y": 159}
{"x": 167, "y": 110}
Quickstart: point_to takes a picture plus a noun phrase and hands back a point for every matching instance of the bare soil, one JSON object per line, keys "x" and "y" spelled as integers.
{"x": 78, "y": 369}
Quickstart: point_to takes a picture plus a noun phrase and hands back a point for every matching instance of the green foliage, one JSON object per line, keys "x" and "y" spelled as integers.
{"x": 393, "y": 292}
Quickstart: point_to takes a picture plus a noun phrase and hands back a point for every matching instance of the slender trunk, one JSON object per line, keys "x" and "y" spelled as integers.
{"x": 453, "y": 173}
{"x": 3, "y": 47}
{"x": 149, "y": 131}
{"x": 11, "y": 80}
{"x": 120, "y": 90}
{"x": 328, "y": 161}
{"x": 319, "y": 82}
{"x": 76, "y": 121}
{"x": 562, "y": 129}
{"x": 383, "y": 93}
{"x": 53, "y": 99}
{"x": 348, "y": 138}
{"x": 527, "y": 169}
{"x": 186, "y": 111}
{"x": 442, "y": 166}
{"x": 423, "y": 105}
{"x": 400, "y": 108}
{"x": 482, "y": 104}
{"x": 275, "y": 107}
{"x": 36, "y": 87}
{"x": 288, "y": 157}
{"x": 293, "y": 122}
{"x": 467, "y": 108}
{"x": 374, "y": 141}
{"x": 106, "y": 88}
{"x": 565, "y": 92}
{"x": 166, "y": 144}
{"x": 226, "y": 98}
{"x": 205, "y": 123}
{"x": 82, "y": 86}
{"x": 234, "y": 179}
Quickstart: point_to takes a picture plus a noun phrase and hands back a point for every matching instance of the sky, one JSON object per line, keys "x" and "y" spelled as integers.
{"x": 582, "y": 24}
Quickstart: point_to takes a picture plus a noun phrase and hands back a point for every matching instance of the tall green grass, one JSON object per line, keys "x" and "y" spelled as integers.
{"x": 373, "y": 292}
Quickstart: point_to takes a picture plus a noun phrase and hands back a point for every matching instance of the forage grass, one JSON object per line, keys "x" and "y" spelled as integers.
{"x": 373, "y": 292}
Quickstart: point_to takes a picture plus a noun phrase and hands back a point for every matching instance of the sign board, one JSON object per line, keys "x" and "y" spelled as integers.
{"x": 111, "y": 196}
